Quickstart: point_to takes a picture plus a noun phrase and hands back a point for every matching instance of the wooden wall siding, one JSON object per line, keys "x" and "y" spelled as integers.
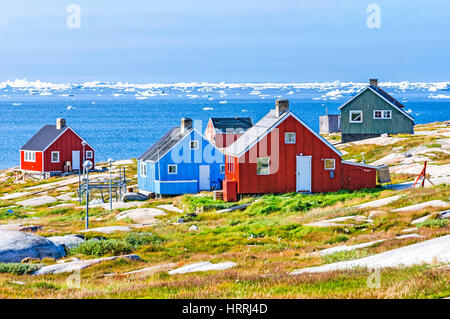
{"x": 31, "y": 166}
{"x": 181, "y": 183}
{"x": 356, "y": 177}
{"x": 284, "y": 179}
{"x": 65, "y": 144}
{"x": 368, "y": 101}
{"x": 220, "y": 140}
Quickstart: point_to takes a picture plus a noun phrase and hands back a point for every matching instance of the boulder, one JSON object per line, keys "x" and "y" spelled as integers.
{"x": 141, "y": 215}
{"x": 202, "y": 266}
{"x": 193, "y": 228}
{"x": 78, "y": 265}
{"x": 131, "y": 197}
{"x": 16, "y": 246}
{"x": 19, "y": 227}
{"x": 37, "y": 201}
{"x": 68, "y": 241}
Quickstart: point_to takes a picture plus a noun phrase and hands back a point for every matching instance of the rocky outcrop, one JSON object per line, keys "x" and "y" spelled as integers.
{"x": 16, "y": 246}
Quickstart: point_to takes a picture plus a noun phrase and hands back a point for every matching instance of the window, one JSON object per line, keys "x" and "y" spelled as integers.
{"x": 382, "y": 114}
{"x": 289, "y": 138}
{"x": 330, "y": 164}
{"x": 222, "y": 169}
{"x": 230, "y": 162}
{"x": 30, "y": 156}
{"x": 89, "y": 154}
{"x": 55, "y": 157}
{"x": 143, "y": 169}
{"x": 262, "y": 166}
{"x": 194, "y": 145}
{"x": 172, "y": 169}
{"x": 356, "y": 116}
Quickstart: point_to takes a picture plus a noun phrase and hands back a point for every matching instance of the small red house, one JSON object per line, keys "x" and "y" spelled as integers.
{"x": 281, "y": 154}
{"x": 224, "y": 131}
{"x": 55, "y": 148}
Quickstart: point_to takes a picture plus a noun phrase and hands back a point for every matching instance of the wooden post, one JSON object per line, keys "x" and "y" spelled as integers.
{"x": 422, "y": 174}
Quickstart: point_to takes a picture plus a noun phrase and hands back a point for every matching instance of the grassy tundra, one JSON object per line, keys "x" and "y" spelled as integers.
{"x": 269, "y": 239}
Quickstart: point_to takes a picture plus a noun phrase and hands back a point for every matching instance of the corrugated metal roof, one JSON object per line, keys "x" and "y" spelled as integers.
{"x": 43, "y": 138}
{"x": 232, "y": 123}
{"x": 164, "y": 144}
{"x": 253, "y": 133}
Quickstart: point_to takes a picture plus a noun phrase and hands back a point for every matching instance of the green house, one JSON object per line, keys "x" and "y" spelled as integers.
{"x": 373, "y": 112}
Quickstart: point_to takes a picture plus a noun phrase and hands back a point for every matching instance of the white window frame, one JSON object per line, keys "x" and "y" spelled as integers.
{"x": 268, "y": 165}
{"x": 143, "y": 170}
{"x": 325, "y": 164}
{"x": 383, "y": 115}
{"x": 356, "y": 112}
{"x": 286, "y": 138}
{"x": 222, "y": 168}
{"x": 89, "y": 154}
{"x": 29, "y": 156}
{"x": 172, "y": 173}
{"x": 54, "y": 152}
{"x": 196, "y": 145}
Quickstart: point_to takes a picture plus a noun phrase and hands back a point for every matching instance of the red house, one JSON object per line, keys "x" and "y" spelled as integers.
{"x": 55, "y": 148}
{"x": 281, "y": 154}
{"x": 224, "y": 131}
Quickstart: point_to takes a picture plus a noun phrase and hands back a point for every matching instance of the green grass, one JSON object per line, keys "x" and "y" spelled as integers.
{"x": 100, "y": 248}
{"x": 295, "y": 202}
{"x": 345, "y": 255}
{"x": 433, "y": 223}
{"x": 18, "y": 268}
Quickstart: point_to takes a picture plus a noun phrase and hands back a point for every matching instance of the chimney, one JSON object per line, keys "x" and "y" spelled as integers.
{"x": 281, "y": 106}
{"x": 60, "y": 123}
{"x": 186, "y": 124}
{"x": 374, "y": 82}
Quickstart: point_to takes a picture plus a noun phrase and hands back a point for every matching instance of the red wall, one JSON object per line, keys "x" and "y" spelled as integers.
{"x": 31, "y": 166}
{"x": 284, "y": 179}
{"x": 219, "y": 140}
{"x": 356, "y": 177}
{"x": 65, "y": 144}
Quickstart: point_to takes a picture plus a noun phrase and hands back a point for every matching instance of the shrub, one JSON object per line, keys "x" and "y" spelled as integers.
{"x": 141, "y": 239}
{"x": 18, "y": 268}
{"x": 337, "y": 239}
{"x": 433, "y": 223}
{"x": 102, "y": 247}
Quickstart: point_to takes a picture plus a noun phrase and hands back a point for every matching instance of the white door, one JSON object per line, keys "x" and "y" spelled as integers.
{"x": 75, "y": 160}
{"x": 204, "y": 177}
{"x": 303, "y": 173}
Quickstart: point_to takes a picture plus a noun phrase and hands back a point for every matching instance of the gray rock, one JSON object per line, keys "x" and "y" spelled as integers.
{"x": 37, "y": 201}
{"x": 130, "y": 197}
{"x": 16, "y": 246}
{"x": 68, "y": 241}
{"x": 78, "y": 265}
{"x": 193, "y": 228}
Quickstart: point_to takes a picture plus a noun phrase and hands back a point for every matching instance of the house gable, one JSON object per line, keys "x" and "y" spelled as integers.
{"x": 368, "y": 101}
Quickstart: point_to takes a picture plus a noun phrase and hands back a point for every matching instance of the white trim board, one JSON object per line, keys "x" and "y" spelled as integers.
{"x": 368, "y": 87}
{"x": 359, "y": 164}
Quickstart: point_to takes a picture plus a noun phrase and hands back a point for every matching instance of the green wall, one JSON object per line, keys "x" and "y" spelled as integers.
{"x": 368, "y": 101}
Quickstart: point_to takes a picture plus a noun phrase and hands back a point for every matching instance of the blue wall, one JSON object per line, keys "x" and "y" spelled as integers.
{"x": 188, "y": 161}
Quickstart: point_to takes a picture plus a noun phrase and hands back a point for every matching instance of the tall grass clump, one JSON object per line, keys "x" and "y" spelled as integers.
{"x": 18, "y": 268}
{"x": 295, "y": 202}
{"x": 99, "y": 248}
{"x": 142, "y": 239}
{"x": 203, "y": 203}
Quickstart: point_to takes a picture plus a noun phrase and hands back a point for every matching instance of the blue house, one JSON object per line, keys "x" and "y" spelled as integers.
{"x": 181, "y": 162}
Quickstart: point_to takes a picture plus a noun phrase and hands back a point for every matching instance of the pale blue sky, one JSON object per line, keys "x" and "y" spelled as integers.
{"x": 231, "y": 41}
